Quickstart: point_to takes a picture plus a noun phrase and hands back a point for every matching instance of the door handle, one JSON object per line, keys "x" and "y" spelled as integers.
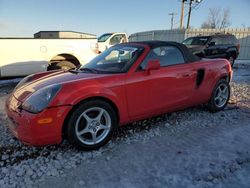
{"x": 186, "y": 75}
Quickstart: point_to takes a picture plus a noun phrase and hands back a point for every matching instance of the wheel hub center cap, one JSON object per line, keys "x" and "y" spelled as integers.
{"x": 94, "y": 125}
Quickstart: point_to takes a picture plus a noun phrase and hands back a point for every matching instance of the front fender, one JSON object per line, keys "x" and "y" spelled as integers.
{"x": 72, "y": 97}
{"x": 96, "y": 92}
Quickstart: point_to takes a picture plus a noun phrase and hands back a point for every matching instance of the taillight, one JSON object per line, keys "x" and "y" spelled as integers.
{"x": 95, "y": 48}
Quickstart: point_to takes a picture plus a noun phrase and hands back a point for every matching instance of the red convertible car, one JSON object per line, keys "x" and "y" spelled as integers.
{"x": 128, "y": 82}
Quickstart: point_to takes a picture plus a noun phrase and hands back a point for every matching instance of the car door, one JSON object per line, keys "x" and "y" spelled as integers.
{"x": 165, "y": 89}
{"x": 215, "y": 48}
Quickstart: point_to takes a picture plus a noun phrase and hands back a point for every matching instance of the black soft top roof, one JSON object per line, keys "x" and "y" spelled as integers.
{"x": 189, "y": 57}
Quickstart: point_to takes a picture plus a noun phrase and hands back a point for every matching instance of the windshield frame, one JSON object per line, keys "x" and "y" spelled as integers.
{"x": 139, "y": 51}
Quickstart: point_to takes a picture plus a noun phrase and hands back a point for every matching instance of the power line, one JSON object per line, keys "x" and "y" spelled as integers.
{"x": 190, "y": 9}
{"x": 195, "y": 6}
{"x": 172, "y": 14}
{"x": 178, "y": 22}
{"x": 189, "y": 12}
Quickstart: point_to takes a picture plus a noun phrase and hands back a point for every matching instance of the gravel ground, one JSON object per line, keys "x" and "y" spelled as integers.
{"x": 190, "y": 148}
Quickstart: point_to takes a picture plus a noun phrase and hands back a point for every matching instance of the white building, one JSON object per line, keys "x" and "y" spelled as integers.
{"x": 62, "y": 34}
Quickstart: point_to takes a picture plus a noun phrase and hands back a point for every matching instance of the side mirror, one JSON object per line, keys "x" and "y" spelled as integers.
{"x": 152, "y": 65}
{"x": 211, "y": 44}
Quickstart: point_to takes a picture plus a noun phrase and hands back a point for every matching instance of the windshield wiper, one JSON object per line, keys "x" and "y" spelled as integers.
{"x": 73, "y": 70}
{"x": 88, "y": 70}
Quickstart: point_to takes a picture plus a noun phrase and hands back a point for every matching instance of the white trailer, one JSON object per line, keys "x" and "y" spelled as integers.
{"x": 24, "y": 56}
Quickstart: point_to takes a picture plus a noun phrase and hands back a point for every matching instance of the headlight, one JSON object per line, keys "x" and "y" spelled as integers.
{"x": 24, "y": 81}
{"x": 40, "y": 100}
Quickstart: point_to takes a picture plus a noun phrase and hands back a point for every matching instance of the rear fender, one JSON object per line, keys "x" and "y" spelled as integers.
{"x": 222, "y": 72}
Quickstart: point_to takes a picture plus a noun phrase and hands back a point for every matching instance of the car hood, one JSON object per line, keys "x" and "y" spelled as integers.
{"x": 60, "y": 77}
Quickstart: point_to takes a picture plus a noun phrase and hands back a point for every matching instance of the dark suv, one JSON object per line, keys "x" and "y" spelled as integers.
{"x": 214, "y": 46}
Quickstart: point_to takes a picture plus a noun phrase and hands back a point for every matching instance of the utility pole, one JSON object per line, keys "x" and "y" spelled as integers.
{"x": 172, "y": 14}
{"x": 182, "y": 13}
{"x": 190, "y": 10}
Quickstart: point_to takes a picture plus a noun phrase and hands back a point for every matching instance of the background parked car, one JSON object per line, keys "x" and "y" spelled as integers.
{"x": 214, "y": 46}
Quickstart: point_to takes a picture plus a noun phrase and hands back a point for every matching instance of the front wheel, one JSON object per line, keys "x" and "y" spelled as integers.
{"x": 91, "y": 125}
{"x": 220, "y": 96}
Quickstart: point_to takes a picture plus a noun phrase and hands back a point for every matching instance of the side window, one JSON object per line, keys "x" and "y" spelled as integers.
{"x": 215, "y": 40}
{"x": 233, "y": 40}
{"x": 218, "y": 40}
{"x": 117, "y": 39}
{"x": 226, "y": 40}
{"x": 124, "y": 39}
{"x": 167, "y": 55}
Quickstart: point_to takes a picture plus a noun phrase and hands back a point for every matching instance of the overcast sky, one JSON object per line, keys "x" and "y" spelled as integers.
{"x": 23, "y": 18}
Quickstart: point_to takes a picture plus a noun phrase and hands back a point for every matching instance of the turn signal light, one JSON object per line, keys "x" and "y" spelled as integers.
{"x": 45, "y": 120}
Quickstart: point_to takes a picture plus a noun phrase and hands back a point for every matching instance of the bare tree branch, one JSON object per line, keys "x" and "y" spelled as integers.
{"x": 217, "y": 19}
{"x": 225, "y": 20}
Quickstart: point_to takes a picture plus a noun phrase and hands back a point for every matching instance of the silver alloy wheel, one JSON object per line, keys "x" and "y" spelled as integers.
{"x": 93, "y": 125}
{"x": 221, "y": 95}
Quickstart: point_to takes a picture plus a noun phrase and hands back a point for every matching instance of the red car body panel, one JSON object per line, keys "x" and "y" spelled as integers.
{"x": 23, "y": 125}
{"x": 136, "y": 95}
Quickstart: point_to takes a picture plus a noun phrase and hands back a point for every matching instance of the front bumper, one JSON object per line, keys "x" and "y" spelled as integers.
{"x": 31, "y": 129}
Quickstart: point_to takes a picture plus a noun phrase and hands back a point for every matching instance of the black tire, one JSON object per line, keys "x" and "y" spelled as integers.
{"x": 77, "y": 120}
{"x": 61, "y": 65}
{"x": 214, "y": 104}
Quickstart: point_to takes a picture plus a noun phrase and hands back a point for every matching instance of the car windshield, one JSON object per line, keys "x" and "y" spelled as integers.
{"x": 104, "y": 37}
{"x": 196, "y": 41}
{"x": 116, "y": 59}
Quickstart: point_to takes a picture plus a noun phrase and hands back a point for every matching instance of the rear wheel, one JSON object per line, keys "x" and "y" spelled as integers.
{"x": 65, "y": 65}
{"x": 91, "y": 125}
{"x": 220, "y": 96}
